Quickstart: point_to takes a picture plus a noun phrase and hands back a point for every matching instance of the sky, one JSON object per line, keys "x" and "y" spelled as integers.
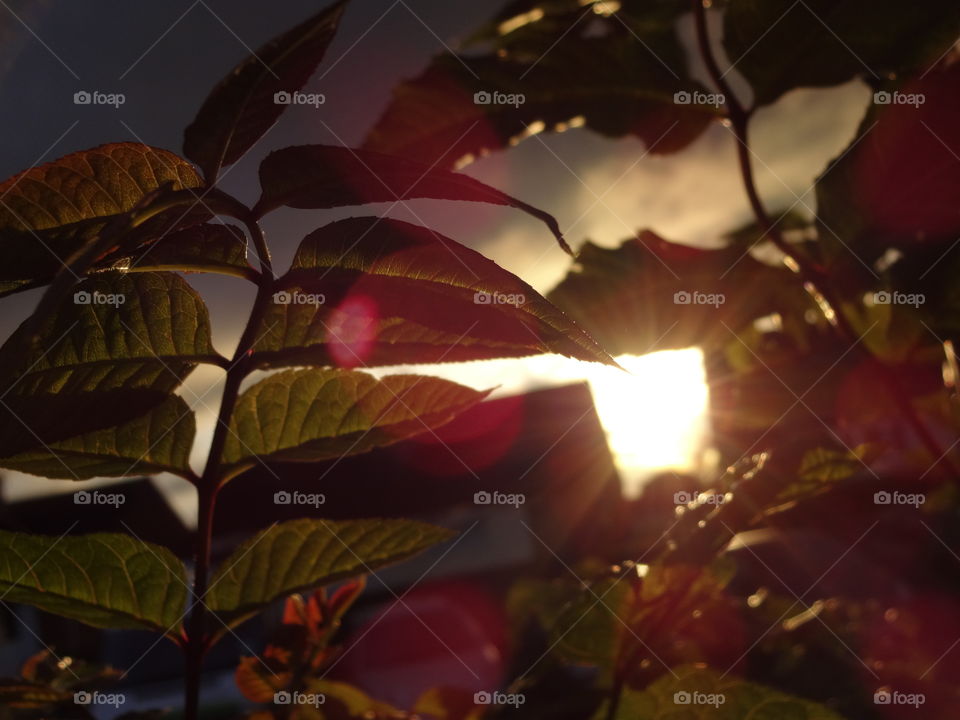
{"x": 165, "y": 56}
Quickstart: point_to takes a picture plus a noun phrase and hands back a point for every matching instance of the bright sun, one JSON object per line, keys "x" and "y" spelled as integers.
{"x": 654, "y": 415}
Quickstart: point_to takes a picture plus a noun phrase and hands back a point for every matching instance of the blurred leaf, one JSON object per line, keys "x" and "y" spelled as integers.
{"x": 448, "y": 703}
{"x": 591, "y": 628}
{"x": 103, "y": 580}
{"x": 313, "y": 415}
{"x": 242, "y": 107}
{"x": 298, "y": 555}
{"x": 49, "y": 212}
{"x": 902, "y": 230}
{"x": 324, "y": 176}
{"x": 343, "y": 700}
{"x": 614, "y": 67}
{"x": 651, "y": 294}
{"x": 259, "y": 683}
{"x": 397, "y": 293}
{"x": 779, "y": 45}
{"x": 825, "y": 465}
{"x": 672, "y": 696}
{"x": 159, "y": 441}
{"x": 17, "y": 694}
{"x": 201, "y": 248}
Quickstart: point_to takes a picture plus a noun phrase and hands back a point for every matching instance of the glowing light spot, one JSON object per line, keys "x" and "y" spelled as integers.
{"x": 352, "y": 331}
{"x": 606, "y": 8}
{"x": 517, "y": 22}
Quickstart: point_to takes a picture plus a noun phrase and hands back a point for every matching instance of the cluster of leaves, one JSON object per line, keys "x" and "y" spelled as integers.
{"x": 90, "y": 388}
{"x": 845, "y": 390}
{"x": 89, "y": 381}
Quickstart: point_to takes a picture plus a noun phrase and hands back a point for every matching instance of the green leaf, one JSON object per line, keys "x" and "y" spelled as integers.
{"x": 104, "y": 580}
{"x": 324, "y": 176}
{"x": 241, "y": 108}
{"x": 201, "y": 248}
{"x": 118, "y": 330}
{"x": 159, "y": 441}
{"x": 103, "y": 365}
{"x": 51, "y": 211}
{"x": 779, "y": 45}
{"x": 613, "y": 67}
{"x": 823, "y": 468}
{"x": 710, "y": 696}
{"x": 397, "y": 293}
{"x": 652, "y": 294}
{"x": 299, "y": 555}
{"x": 313, "y": 415}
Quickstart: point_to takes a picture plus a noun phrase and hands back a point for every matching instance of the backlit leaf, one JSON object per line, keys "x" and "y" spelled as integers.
{"x": 201, "y": 248}
{"x": 104, "y": 580}
{"x": 779, "y": 45}
{"x": 113, "y": 352}
{"x": 325, "y": 176}
{"x": 651, "y": 294}
{"x": 47, "y": 213}
{"x": 312, "y": 415}
{"x": 242, "y": 107}
{"x": 370, "y": 291}
{"x": 696, "y": 693}
{"x": 298, "y": 555}
{"x": 614, "y": 67}
{"x": 158, "y": 441}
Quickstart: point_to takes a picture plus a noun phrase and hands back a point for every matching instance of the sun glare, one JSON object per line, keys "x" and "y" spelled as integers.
{"x": 655, "y": 418}
{"x": 654, "y": 415}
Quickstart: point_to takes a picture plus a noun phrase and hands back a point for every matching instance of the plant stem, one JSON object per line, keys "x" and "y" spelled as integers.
{"x": 815, "y": 280}
{"x": 210, "y": 482}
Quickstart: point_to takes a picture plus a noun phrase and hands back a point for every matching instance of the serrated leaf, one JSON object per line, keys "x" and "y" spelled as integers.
{"x": 313, "y": 415}
{"x": 104, "y": 580}
{"x": 241, "y": 108}
{"x": 326, "y": 176}
{"x": 159, "y": 441}
{"x": 47, "y": 213}
{"x": 652, "y": 294}
{"x": 298, "y": 555}
{"x": 696, "y": 693}
{"x": 613, "y": 67}
{"x": 398, "y": 293}
{"x": 117, "y": 331}
{"x": 779, "y": 45}
{"x": 103, "y": 364}
{"x": 201, "y": 248}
